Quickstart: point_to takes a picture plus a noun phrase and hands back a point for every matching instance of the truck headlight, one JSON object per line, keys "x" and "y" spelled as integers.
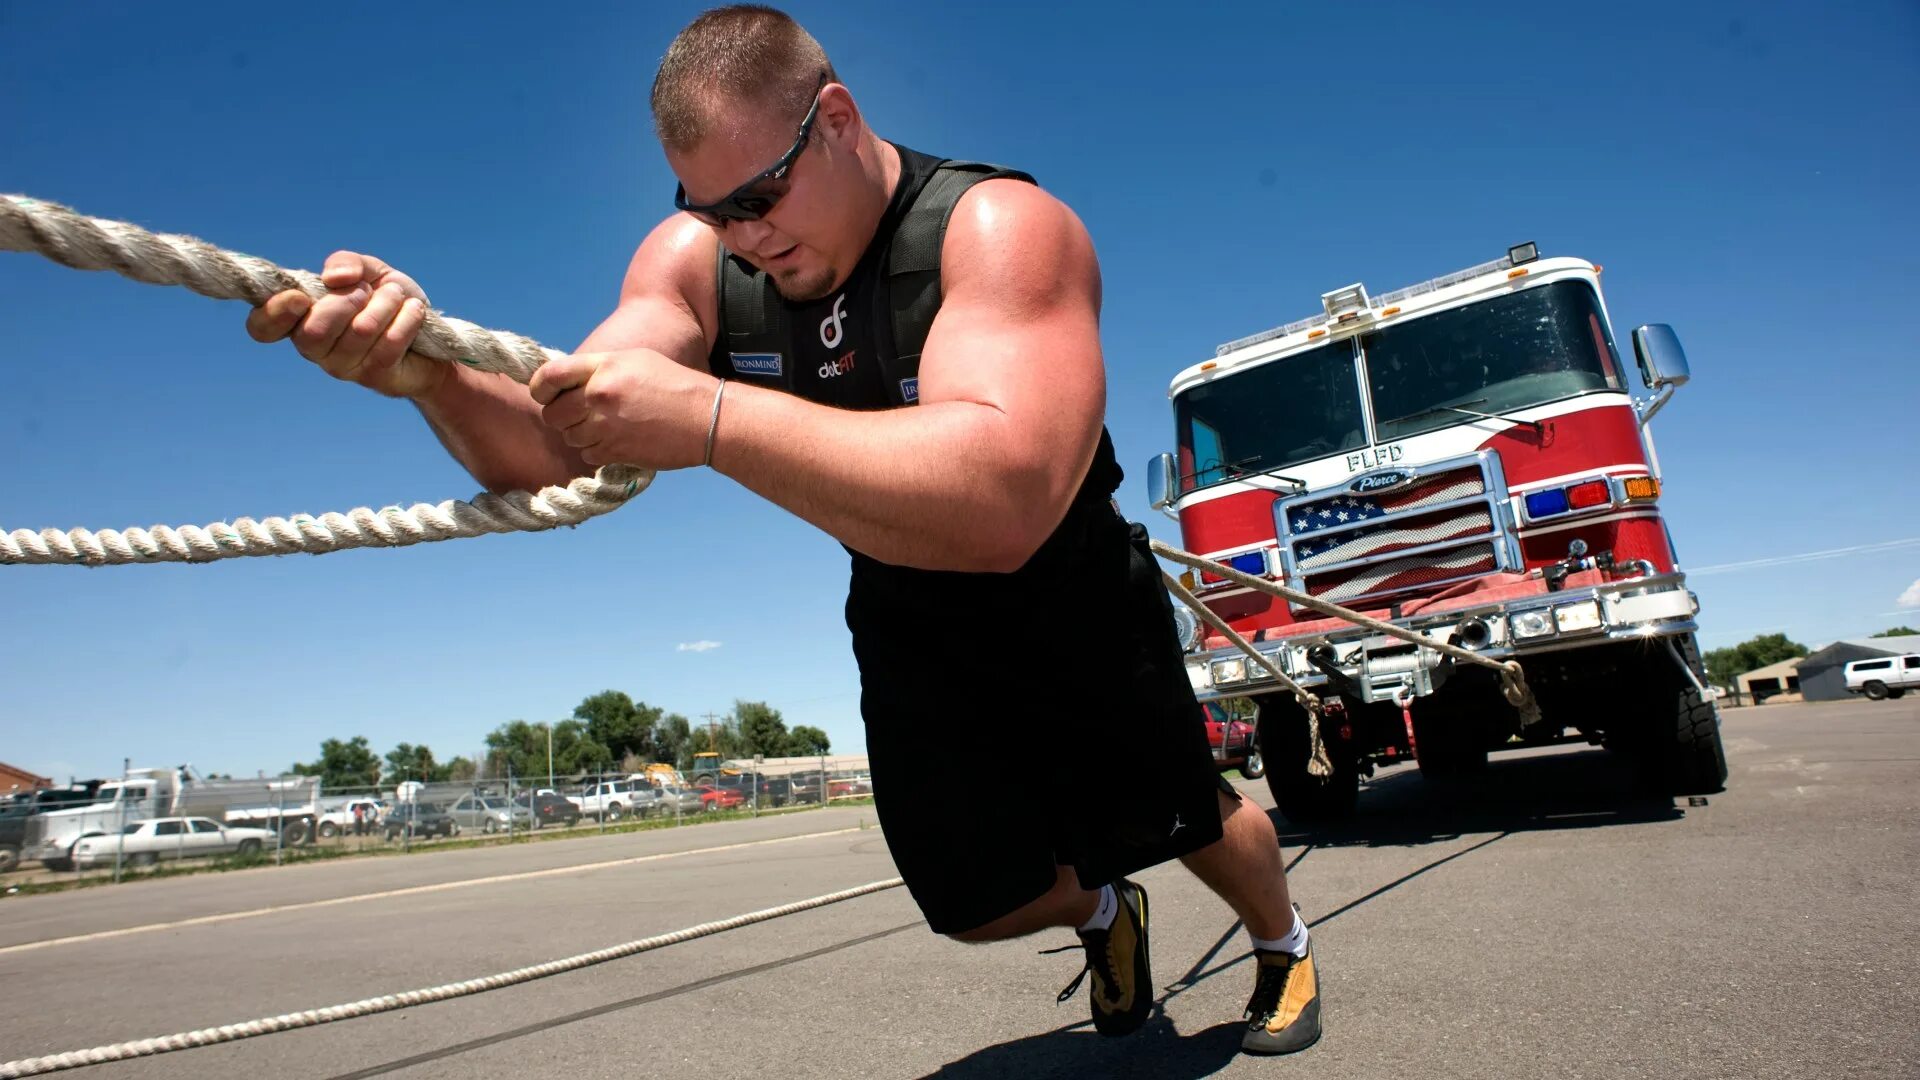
{"x": 1197, "y": 674}
{"x": 1578, "y": 616}
{"x": 1531, "y": 624}
{"x": 1231, "y": 669}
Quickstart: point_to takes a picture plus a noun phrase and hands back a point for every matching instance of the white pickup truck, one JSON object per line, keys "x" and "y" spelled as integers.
{"x": 339, "y": 819}
{"x": 1884, "y": 676}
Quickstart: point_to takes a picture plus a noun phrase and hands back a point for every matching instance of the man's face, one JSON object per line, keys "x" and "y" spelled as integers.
{"x": 803, "y": 243}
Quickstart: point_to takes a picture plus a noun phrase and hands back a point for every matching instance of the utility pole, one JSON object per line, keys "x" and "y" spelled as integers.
{"x": 713, "y": 732}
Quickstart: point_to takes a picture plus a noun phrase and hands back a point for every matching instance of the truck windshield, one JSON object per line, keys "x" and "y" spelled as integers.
{"x": 1495, "y": 356}
{"x": 1268, "y": 417}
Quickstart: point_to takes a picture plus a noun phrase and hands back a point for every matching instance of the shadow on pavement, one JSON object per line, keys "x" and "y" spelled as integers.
{"x": 1156, "y": 1050}
{"x": 1583, "y": 789}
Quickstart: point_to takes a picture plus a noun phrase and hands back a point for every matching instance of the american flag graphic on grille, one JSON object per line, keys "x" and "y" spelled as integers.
{"x": 1401, "y": 525}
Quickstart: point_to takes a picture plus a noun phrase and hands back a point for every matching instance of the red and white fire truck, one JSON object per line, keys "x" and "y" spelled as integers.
{"x": 1463, "y": 458}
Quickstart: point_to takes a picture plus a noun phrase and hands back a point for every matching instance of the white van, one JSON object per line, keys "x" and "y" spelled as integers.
{"x": 1883, "y": 677}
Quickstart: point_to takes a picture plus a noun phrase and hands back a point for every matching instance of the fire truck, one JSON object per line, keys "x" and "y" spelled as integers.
{"x": 1466, "y": 459}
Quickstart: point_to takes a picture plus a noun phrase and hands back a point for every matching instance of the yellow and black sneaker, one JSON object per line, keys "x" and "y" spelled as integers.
{"x": 1284, "y": 1014}
{"x": 1122, "y": 990}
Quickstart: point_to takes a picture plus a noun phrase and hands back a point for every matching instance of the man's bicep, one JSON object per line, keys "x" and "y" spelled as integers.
{"x": 1019, "y": 325}
{"x": 667, "y": 301}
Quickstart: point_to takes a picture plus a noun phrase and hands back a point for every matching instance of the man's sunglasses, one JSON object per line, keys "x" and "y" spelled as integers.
{"x": 756, "y": 198}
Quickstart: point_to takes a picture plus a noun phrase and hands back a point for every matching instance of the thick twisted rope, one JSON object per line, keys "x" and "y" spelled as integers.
{"x": 1513, "y": 680}
{"x": 89, "y": 243}
{"x": 1318, "y": 764}
{"x": 387, "y": 1003}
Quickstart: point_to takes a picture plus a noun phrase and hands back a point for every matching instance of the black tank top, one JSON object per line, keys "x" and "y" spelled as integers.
{"x": 832, "y": 357}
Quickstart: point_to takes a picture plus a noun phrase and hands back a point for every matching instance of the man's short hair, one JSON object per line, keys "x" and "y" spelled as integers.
{"x": 744, "y": 54}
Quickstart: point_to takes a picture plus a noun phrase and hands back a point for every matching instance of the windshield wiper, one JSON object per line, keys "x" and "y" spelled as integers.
{"x": 1238, "y": 472}
{"x": 1538, "y": 427}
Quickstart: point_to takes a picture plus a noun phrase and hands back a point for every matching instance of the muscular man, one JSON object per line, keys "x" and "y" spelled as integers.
{"x": 905, "y": 353}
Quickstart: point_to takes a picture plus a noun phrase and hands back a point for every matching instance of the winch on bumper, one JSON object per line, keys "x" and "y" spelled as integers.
{"x": 1374, "y": 667}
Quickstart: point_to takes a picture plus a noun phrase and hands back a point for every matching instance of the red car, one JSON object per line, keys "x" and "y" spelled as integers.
{"x": 719, "y": 798}
{"x": 1233, "y": 743}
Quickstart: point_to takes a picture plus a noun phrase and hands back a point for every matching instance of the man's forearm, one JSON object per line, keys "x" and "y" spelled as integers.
{"x": 492, "y": 427}
{"x": 932, "y": 487}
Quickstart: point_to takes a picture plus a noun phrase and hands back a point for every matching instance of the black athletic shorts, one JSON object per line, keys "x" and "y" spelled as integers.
{"x": 1018, "y": 722}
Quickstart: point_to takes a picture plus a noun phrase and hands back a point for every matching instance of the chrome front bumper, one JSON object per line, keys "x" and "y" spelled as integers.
{"x": 1386, "y": 668}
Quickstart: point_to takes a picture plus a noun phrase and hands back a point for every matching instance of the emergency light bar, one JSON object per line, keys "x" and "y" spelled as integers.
{"x": 1339, "y": 301}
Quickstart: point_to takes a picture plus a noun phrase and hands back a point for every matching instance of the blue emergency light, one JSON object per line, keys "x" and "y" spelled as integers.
{"x": 1547, "y": 503}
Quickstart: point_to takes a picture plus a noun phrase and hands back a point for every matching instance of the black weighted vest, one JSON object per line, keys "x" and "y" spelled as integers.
{"x": 859, "y": 348}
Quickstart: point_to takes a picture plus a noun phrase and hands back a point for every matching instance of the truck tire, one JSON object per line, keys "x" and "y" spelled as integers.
{"x": 294, "y": 833}
{"x": 615, "y": 811}
{"x": 1875, "y": 690}
{"x": 1255, "y": 766}
{"x": 9, "y": 858}
{"x": 1686, "y": 757}
{"x": 1450, "y": 740}
{"x": 328, "y": 830}
{"x": 1304, "y": 798}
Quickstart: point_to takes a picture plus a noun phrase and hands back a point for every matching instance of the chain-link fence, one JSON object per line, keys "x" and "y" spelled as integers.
{"x": 167, "y": 821}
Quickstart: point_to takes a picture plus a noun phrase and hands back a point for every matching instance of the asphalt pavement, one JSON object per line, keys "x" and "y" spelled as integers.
{"x": 1554, "y": 924}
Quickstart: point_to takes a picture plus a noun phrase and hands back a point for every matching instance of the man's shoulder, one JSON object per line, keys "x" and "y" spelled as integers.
{"x": 1005, "y": 219}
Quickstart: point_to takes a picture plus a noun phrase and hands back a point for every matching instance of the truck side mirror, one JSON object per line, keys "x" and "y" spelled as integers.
{"x": 1162, "y": 480}
{"x": 1662, "y": 361}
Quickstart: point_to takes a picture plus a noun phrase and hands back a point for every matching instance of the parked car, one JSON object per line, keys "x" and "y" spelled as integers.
{"x": 144, "y": 843}
{"x": 851, "y": 787}
{"x": 1233, "y": 743}
{"x": 719, "y": 798}
{"x": 679, "y": 800}
{"x": 490, "y": 814}
{"x": 1884, "y": 676}
{"x": 550, "y": 808}
{"x": 419, "y": 819}
{"x": 615, "y": 799}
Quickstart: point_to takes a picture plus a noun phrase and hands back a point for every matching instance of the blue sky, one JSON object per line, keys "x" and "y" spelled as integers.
{"x": 1744, "y": 172}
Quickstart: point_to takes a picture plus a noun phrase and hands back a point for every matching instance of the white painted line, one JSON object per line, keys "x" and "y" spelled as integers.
{"x": 412, "y": 890}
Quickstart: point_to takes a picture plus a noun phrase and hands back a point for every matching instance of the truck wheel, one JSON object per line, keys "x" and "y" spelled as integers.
{"x": 1304, "y": 798}
{"x": 1875, "y": 690}
{"x": 489, "y": 828}
{"x": 9, "y": 858}
{"x": 294, "y": 833}
{"x": 614, "y": 812}
{"x": 328, "y": 830}
{"x": 1687, "y": 757}
{"x": 1254, "y": 767}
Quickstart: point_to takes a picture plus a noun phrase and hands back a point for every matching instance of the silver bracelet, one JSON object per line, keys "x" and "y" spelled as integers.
{"x": 713, "y": 424}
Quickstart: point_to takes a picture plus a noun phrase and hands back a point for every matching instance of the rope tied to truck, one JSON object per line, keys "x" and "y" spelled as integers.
{"x": 1513, "y": 680}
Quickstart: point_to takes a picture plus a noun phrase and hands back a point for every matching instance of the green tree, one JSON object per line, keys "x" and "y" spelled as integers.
{"x": 521, "y": 748}
{"x": 1724, "y": 665}
{"x": 761, "y": 729}
{"x": 461, "y": 769}
{"x": 410, "y": 762}
{"x": 619, "y": 723}
{"x": 807, "y": 741}
{"x": 1897, "y": 631}
{"x": 673, "y": 741}
{"x": 343, "y": 764}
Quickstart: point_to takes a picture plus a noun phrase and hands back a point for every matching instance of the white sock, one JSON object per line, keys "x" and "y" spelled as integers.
{"x": 1295, "y": 942}
{"x": 1104, "y": 912}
